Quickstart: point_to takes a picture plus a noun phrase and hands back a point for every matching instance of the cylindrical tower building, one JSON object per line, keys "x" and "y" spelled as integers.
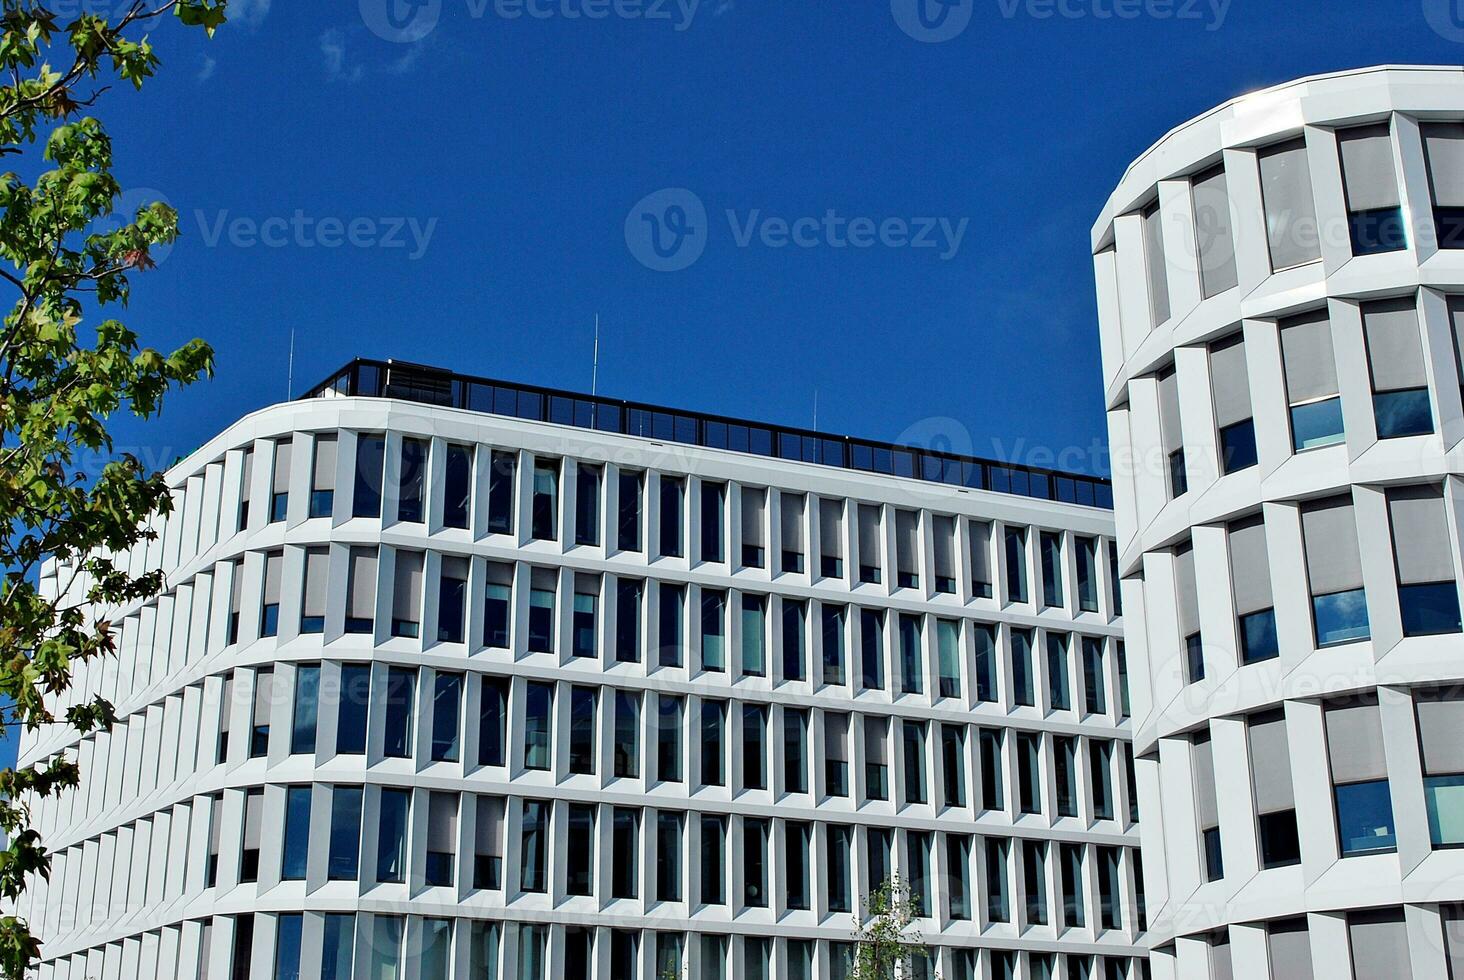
{"x": 1281, "y": 288}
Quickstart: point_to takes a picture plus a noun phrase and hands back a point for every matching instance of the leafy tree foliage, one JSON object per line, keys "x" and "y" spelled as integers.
{"x": 886, "y": 939}
{"x": 62, "y": 379}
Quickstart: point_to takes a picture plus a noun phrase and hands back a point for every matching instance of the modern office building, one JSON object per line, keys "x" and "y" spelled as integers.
{"x": 461, "y": 679}
{"x": 1281, "y": 290}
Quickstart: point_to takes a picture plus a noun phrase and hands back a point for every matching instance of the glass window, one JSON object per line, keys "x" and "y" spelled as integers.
{"x": 627, "y": 735}
{"x": 502, "y": 475}
{"x": 307, "y": 707}
{"x": 401, "y": 696}
{"x": 1374, "y": 217}
{"x": 871, "y": 649}
{"x": 713, "y": 751}
{"x": 391, "y": 835}
{"x": 541, "y": 613}
{"x": 317, "y": 582}
{"x": 370, "y": 466}
{"x": 1291, "y": 211}
{"x": 912, "y": 752}
{"x": 794, "y": 615}
{"x": 406, "y": 610}
{"x": 1401, "y": 404}
{"x": 714, "y": 630}
{"x": 755, "y": 862}
{"x": 833, "y": 644}
{"x": 754, "y": 746}
{"x": 1440, "y": 726}
{"x": 953, "y": 764}
{"x": 351, "y": 717}
{"x": 533, "y": 853}
{"x": 452, "y": 600}
{"x": 1059, "y": 690}
{"x": 628, "y": 534}
{"x": 672, "y": 496}
{"x": 323, "y": 476}
{"x": 585, "y": 628}
{"x": 991, "y": 769}
{"x": 1311, "y": 381}
{"x": 458, "y": 487}
{"x": 1051, "y": 569}
{"x": 1334, "y": 568}
{"x": 1024, "y": 689}
{"x": 713, "y": 860}
{"x": 1428, "y": 597}
{"x": 344, "y": 859}
{"x": 447, "y": 699}
{"x": 628, "y": 597}
{"x": 1029, "y": 772}
{"x": 713, "y": 507}
{"x": 1444, "y": 147}
{"x": 538, "y": 725}
{"x": 754, "y": 635}
{"x": 498, "y": 605}
{"x": 587, "y": 505}
{"x": 671, "y": 633}
{"x": 580, "y": 850}
{"x": 1016, "y": 564}
{"x": 582, "y": 730}
{"x": 1359, "y": 778}
{"x": 668, "y": 857}
{"x": 492, "y": 722}
{"x": 545, "y": 523}
{"x": 625, "y": 850}
{"x": 1214, "y": 234}
{"x": 338, "y": 946}
{"x": 670, "y": 710}
{"x": 297, "y": 833}
{"x": 1154, "y": 263}
{"x": 411, "y": 480}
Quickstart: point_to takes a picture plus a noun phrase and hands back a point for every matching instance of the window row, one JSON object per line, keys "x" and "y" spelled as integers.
{"x": 1361, "y": 804}
{"x": 343, "y": 945}
{"x": 1375, "y": 221}
{"x": 521, "y": 847}
{"x": 664, "y": 515}
{"x": 620, "y": 620}
{"x": 1426, "y": 583}
{"x": 1402, "y": 404}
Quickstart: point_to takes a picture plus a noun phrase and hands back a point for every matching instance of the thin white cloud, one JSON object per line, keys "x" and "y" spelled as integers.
{"x": 333, "y": 50}
{"x": 206, "y": 70}
{"x": 250, "y": 13}
{"x": 408, "y": 60}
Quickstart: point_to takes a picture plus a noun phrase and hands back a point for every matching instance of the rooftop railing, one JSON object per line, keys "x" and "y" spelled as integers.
{"x": 434, "y": 386}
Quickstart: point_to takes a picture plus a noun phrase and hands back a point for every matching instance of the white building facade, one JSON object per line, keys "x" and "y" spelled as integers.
{"x": 459, "y": 679}
{"x": 1281, "y": 289}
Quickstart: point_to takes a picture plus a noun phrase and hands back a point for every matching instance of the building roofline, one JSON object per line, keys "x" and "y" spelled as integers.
{"x": 1107, "y": 213}
{"x": 366, "y": 377}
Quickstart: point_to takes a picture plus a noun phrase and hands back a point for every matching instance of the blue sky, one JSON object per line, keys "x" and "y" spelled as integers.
{"x": 504, "y": 155}
{"x": 486, "y": 172}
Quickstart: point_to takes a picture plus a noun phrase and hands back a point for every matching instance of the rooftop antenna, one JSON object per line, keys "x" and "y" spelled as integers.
{"x": 290, "y": 376}
{"x": 815, "y": 409}
{"x": 595, "y": 368}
